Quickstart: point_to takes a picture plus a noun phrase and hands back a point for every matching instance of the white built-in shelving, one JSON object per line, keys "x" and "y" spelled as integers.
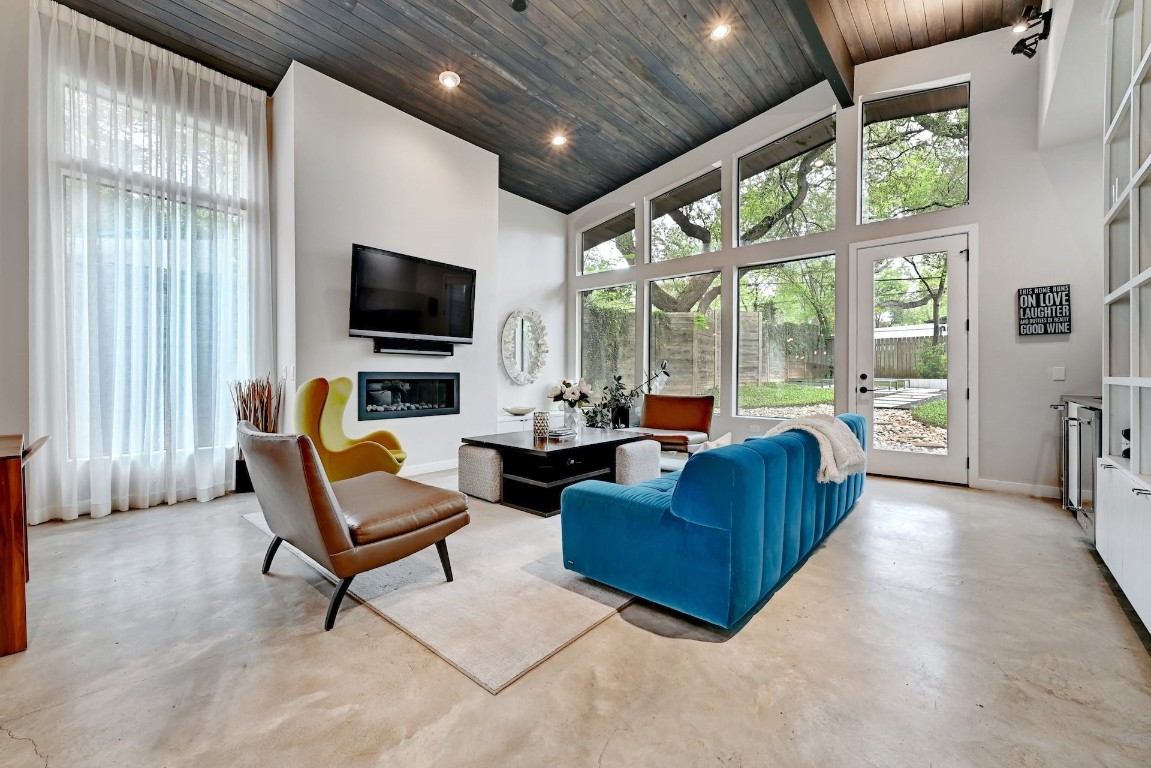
{"x": 1127, "y": 236}
{"x": 1123, "y": 498}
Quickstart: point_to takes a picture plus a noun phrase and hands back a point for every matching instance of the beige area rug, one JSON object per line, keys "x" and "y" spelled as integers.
{"x": 512, "y": 604}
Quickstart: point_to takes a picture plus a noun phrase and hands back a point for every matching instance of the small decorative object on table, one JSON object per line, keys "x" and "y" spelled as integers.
{"x": 540, "y": 424}
{"x": 257, "y": 401}
{"x": 572, "y": 395}
{"x": 519, "y": 410}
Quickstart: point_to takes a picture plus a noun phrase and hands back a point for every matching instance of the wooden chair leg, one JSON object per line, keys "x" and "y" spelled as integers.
{"x": 275, "y": 545}
{"x": 337, "y": 598}
{"x": 442, "y": 548}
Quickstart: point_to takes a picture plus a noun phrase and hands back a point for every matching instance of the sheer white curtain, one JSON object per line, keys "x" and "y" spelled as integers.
{"x": 149, "y": 267}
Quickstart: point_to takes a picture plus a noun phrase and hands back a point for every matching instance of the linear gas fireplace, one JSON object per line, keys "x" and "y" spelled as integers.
{"x": 403, "y": 395}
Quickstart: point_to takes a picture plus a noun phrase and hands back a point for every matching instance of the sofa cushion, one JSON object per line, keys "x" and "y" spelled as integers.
{"x": 663, "y": 483}
{"x": 683, "y": 436}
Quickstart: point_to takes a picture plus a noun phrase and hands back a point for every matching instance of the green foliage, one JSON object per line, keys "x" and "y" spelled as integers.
{"x": 612, "y": 254}
{"x": 614, "y": 395}
{"x": 794, "y": 198}
{"x": 783, "y": 394}
{"x": 912, "y": 164}
{"x": 933, "y": 414}
{"x": 915, "y": 164}
{"x": 618, "y": 395}
{"x": 698, "y": 231}
{"x": 597, "y": 416}
{"x": 931, "y": 360}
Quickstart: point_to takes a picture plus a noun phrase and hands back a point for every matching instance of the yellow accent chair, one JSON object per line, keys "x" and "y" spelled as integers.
{"x": 320, "y": 415}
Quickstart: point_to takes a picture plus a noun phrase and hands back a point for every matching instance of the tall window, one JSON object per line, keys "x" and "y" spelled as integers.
{"x": 610, "y": 245}
{"x": 685, "y": 331}
{"x": 786, "y": 332}
{"x": 915, "y": 150}
{"x": 150, "y": 221}
{"x": 687, "y": 220}
{"x": 787, "y": 188}
{"x": 607, "y": 335}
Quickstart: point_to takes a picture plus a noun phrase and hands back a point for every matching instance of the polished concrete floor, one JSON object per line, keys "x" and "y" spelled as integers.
{"x": 936, "y": 627}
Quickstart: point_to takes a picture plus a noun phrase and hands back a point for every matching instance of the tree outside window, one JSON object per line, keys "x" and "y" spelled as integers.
{"x": 611, "y": 245}
{"x": 915, "y": 153}
{"x": 787, "y": 188}
{"x": 786, "y": 361}
{"x": 687, "y": 220}
{"x": 685, "y": 331}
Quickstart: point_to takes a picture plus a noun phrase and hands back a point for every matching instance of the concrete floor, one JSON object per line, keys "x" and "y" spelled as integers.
{"x": 937, "y": 626}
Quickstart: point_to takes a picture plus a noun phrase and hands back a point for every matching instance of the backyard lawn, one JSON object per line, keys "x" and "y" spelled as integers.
{"x": 783, "y": 394}
{"x": 933, "y": 414}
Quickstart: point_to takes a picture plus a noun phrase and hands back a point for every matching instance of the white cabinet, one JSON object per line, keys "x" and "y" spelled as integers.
{"x": 1123, "y": 533}
{"x": 506, "y": 423}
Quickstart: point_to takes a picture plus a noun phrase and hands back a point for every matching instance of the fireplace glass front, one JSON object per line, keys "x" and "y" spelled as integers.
{"x": 404, "y": 395}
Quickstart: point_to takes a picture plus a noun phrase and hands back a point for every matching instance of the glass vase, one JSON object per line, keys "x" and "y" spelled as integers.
{"x": 571, "y": 417}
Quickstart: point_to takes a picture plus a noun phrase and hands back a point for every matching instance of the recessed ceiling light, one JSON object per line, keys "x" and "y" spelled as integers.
{"x": 559, "y": 140}
{"x": 720, "y": 31}
{"x": 449, "y": 79}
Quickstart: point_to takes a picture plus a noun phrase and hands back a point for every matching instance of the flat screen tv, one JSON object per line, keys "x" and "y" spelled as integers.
{"x": 405, "y": 297}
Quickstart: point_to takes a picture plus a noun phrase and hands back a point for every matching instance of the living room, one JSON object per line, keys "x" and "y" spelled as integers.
{"x": 955, "y": 613}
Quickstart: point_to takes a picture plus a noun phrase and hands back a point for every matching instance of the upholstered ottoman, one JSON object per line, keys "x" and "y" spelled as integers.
{"x": 480, "y": 472}
{"x": 636, "y": 462}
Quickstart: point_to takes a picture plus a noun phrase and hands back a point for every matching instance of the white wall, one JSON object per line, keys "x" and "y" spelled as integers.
{"x": 13, "y": 217}
{"x": 1037, "y": 214}
{"x": 531, "y": 274}
{"x": 1071, "y": 82}
{"x": 350, "y": 169}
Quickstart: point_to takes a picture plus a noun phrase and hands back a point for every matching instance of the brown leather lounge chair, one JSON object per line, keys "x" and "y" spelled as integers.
{"x": 349, "y": 526}
{"x": 678, "y": 422}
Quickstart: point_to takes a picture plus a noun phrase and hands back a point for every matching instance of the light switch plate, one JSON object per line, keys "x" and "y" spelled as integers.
{"x": 1059, "y": 373}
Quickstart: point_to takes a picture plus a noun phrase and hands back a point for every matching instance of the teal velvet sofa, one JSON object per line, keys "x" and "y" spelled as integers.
{"x": 714, "y": 539}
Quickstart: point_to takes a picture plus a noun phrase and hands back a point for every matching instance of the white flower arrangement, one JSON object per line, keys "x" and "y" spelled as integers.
{"x": 570, "y": 393}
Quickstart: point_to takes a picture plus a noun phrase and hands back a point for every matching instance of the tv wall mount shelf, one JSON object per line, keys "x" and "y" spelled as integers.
{"x": 383, "y": 346}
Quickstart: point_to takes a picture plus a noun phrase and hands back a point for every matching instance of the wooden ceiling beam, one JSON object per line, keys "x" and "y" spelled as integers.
{"x": 817, "y": 23}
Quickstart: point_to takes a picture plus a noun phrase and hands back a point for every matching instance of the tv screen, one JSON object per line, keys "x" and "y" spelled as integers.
{"x": 405, "y": 297}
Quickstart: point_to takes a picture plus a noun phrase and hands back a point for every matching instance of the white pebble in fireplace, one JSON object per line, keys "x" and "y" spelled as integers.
{"x": 390, "y": 395}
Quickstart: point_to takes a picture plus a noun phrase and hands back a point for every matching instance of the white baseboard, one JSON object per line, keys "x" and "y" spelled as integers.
{"x": 1022, "y": 489}
{"x": 423, "y": 469}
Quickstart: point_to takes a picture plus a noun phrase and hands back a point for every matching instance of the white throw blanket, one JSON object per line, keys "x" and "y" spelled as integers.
{"x": 840, "y": 453}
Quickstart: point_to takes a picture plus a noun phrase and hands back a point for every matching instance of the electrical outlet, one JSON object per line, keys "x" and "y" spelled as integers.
{"x": 1059, "y": 373}
{"x": 755, "y": 429}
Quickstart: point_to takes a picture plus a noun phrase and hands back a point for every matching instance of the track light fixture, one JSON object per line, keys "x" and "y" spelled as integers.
{"x": 519, "y": 6}
{"x": 1031, "y": 18}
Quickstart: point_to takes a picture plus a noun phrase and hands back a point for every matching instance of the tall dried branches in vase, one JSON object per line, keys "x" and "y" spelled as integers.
{"x": 258, "y": 401}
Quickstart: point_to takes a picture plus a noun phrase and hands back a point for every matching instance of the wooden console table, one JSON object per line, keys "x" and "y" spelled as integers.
{"x": 13, "y": 543}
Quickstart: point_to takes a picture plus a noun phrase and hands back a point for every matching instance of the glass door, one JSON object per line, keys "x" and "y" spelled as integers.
{"x": 910, "y": 356}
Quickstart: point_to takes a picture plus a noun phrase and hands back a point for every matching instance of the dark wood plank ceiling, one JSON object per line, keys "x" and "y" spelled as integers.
{"x": 632, "y": 83}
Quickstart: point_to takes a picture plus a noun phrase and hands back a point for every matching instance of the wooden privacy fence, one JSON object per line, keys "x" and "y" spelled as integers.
{"x": 898, "y": 357}
{"x": 690, "y": 342}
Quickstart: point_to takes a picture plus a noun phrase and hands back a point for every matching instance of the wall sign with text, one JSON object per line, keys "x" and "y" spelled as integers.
{"x": 1044, "y": 310}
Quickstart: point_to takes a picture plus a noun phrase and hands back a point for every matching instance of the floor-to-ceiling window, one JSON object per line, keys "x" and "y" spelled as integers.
{"x": 149, "y": 290}
{"x": 768, "y": 227}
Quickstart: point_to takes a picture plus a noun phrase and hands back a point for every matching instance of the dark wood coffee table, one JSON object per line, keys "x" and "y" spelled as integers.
{"x": 536, "y": 471}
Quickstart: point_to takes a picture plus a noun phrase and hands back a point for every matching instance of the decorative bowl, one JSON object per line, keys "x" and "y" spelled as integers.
{"x": 519, "y": 410}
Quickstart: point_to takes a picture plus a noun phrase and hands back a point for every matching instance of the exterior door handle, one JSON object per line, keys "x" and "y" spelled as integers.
{"x": 1140, "y": 492}
{"x": 864, "y": 390}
